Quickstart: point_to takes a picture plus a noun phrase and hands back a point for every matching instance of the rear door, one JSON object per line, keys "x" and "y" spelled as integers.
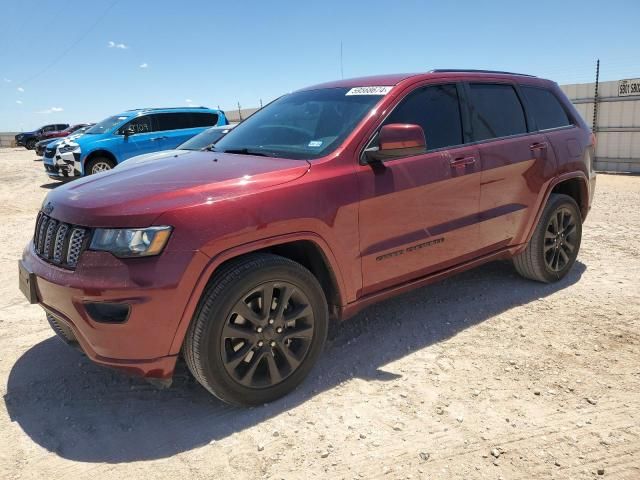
{"x": 418, "y": 213}
{"x": 513, "y": 159}
{"x": 178, "y": 127}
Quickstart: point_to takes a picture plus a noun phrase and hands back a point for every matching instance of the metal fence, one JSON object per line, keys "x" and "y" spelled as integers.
{"x": 617, "y": 123}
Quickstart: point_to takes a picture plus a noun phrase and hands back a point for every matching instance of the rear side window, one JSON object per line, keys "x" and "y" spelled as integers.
{"x": 200, "y": 119}
{"x": 545, "y": 108}
{"x": 497, "y": 111}
{"x": 172, "y": 121}
{"x": 437, "y": 110}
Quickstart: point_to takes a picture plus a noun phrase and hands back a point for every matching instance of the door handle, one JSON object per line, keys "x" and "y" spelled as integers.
{"x": 462, "y": 161}
{"x": 158, "y": 138}
{"x": 538, "y": 146}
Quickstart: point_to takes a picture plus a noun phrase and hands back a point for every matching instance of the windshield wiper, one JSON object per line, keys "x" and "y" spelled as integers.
{"x": 246, "y": 151}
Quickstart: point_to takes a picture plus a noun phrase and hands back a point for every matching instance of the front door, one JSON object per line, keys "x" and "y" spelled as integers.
{"x": 418, "y": 214}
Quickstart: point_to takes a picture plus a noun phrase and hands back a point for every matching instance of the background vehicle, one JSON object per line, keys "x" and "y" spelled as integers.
{"x": 29, "y": 139}
{"x": 132, "y": 133}
{"x": 321, "y": 203}
{"x": 48, "y": 137}
{"x": 50, "y": 149}
{"x": 201, "y": 141}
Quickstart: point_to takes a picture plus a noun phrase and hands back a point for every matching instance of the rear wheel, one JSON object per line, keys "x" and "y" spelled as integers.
{"x": 555, "y": 243}
{"x": 259, "y": 329}
{"x": 31, "y": 144}
{"x": 99, "y": 164}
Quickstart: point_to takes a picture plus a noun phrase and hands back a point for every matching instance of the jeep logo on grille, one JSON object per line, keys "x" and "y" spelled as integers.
{"x": 48, "y": 208}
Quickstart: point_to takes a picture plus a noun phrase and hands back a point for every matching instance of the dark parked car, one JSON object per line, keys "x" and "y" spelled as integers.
{"x": 29, "y": 139}
{"x": 49, "y": 137}
{"x": 323, "y": 202}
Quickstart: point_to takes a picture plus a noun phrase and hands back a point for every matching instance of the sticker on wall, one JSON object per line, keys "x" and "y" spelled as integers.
{"x": 315, "y": 143}
{"x": 369, "y": 91}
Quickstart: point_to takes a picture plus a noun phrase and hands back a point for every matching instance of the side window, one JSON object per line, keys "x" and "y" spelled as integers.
{"x": 545, "y": 108}
{"x": 497, "y": 111}
{"x": 48, "y": 128}
{"x": 62, "y": 126}
{"x": 172, "y": 121}
{"x": 437, "y": 110}
{"x": 200, "y": 119}
{"x": 139, "y": 125}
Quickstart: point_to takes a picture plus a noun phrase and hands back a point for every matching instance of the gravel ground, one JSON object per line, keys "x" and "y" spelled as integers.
{"x": 484, "y": 375}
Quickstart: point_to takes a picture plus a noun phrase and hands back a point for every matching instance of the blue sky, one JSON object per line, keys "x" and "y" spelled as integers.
{"x": 76, "y": 61}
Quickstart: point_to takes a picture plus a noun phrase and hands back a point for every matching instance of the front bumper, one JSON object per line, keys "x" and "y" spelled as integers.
{"x": 63, "y": 166}
{"x": 156, "y": 289}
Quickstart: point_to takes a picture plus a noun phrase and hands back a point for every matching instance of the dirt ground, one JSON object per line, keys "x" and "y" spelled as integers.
{"x": 484, "y": 376}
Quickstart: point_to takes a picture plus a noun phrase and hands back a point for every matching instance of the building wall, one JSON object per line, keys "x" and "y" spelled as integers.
{"x": 617, "y": 128}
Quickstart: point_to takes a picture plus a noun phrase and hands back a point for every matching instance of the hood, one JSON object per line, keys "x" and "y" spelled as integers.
{"x": 135, "y": 195}
{"x": 148, "y": 157}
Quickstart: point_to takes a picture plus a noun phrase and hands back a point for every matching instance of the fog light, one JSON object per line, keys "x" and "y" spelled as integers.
{"x": 105, "y": 312}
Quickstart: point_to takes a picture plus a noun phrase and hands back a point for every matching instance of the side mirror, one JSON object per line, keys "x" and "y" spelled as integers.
{"x": 397, "y": 140}
{"x": 129, "y": 131}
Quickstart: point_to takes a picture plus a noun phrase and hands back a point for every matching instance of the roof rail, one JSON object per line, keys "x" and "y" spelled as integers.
{"x": 164, "y": 108}
{"x": 463, "y": 70}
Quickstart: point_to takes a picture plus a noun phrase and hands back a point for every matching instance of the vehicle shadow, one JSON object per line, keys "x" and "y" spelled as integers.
{"x": 51, "y": 186}
{"x": 88, "y": 413}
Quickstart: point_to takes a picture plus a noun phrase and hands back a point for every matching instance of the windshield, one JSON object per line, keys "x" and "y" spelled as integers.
{"x": 107, "y": 124}
{"x": 204, "y": 139}
{"x": 302, "y": 125}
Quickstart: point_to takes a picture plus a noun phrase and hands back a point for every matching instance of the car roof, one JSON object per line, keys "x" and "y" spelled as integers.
{"x": 171, "y": 109}
{"x": 395, "y": 79}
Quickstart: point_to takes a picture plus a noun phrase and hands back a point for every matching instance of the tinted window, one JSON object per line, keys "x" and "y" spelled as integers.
{"x": 203, "y": 119}
{"x": 497, "y": 111}
{"x": 545, "y": 108}
{"x": 139, "y": 125}
{"x": 172, "y": 121}
{"x": 436, "y": 109}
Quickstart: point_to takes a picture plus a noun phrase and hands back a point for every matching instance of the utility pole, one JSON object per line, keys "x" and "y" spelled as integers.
{"x": 239, "y": 112}
{"x": 594, "y": 128}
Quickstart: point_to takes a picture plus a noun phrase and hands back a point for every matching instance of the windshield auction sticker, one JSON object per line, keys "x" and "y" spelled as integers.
{"x": 369, "y": 91}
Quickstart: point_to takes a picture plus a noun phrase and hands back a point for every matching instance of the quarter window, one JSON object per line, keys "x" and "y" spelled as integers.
{"x": 437, "y": 110}
{"x": 200, "y": 119}
{"x": 497, "y": 111}
{"x": 545, "y": 108}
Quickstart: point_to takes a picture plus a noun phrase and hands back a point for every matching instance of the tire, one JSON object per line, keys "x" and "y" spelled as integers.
{"x": 30, "y": 144}
{"x": 265, "y": 371}
{"x": 551, "y": 252}
{"x": 99, "y": 164}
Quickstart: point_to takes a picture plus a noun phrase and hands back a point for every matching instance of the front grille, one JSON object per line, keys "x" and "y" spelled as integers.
{"x": 58, "y": 242}
{"x": 51, "y": 168}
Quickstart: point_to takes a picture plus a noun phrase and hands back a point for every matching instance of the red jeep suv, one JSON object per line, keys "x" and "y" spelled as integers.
{"x": 328, "y": 199}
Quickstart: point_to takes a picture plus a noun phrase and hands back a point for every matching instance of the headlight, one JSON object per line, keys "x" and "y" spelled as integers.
{"x": 130, "y": 242}
{"x": 69, "y": 147}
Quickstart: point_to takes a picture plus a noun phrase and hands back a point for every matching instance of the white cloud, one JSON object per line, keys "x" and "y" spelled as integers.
{"x": 144, "y": 65}
{"x": 6, "y": 80}
{"x": 113, "y": 44}
{"x": 188, "y": 100}
{"x": 20, "y": 89}
{"x": 19, "y": 102}
{"x": 51, "y": 110}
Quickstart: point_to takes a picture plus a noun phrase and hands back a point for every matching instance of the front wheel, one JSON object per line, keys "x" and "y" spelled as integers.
{"x": 260, "y": 327}
{"x": 555, "y": 243}
{"x": 99, "y": 164}
{"x": 31, "y": 144}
